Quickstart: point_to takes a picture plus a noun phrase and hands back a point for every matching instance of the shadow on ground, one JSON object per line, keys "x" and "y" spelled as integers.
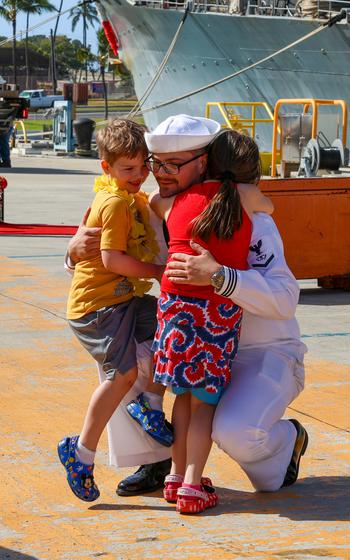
{"x": 322, "y": 498}
{"x": 314, "y": 498}
{"x": 47, "y": 171}
{"x": 319, "y": 296}
{"x": 8, "y": 554}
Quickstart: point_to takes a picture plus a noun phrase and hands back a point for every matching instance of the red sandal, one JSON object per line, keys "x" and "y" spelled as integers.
{"x": 190, "y": 500}
{"x": 172, "y": 483}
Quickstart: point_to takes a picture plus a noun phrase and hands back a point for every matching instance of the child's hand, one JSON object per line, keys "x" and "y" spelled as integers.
{"x": 160, "y": 205}
{"x": 253, "y": 200}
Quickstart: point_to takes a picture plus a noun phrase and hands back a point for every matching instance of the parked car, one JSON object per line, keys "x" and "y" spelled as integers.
{"x": 39, "y": 100}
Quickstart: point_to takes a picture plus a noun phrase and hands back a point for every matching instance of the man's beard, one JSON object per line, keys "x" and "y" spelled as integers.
{"x": 169, "y": 189}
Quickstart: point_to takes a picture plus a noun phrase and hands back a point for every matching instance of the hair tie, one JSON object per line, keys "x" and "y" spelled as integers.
{"x": 228, "y": 175}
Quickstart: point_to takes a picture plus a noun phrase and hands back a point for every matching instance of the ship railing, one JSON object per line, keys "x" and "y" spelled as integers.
{"x": 315, "y": 9}
{"x": 219, "y": 6}
{"x": 243, "y": 7}
{"x": 320, "y": 9}
{"x": 270, "y": 8}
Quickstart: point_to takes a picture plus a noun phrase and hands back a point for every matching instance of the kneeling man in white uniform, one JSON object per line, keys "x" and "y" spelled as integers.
{"x": 268, "y": 370}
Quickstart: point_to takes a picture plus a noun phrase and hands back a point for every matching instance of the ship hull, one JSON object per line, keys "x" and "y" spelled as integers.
{"x": 212, "y": 46}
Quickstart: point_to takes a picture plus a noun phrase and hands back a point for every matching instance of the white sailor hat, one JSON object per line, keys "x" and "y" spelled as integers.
{"x": 180, "y": 133}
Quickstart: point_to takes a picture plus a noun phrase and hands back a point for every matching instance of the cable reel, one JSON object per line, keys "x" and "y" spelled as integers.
{"x": 316, "y": 157}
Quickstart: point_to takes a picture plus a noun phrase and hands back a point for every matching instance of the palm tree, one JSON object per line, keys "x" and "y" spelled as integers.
{"x": 9, "y": 10}
{"x": 53, "y": 46}
{"x": 34, "y": 7}
{"x": 103, "y": 53}
{"x": 89, "y": 15}
{"x": 57, "y": 20}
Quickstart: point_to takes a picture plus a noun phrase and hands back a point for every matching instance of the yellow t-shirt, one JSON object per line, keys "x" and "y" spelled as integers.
{"x": 93, "y": 286}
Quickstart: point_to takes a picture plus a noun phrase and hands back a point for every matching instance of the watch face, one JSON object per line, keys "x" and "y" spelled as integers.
{"x": 218, "y": 278}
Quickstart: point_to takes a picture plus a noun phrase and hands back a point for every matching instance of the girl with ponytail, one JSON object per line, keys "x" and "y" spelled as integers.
{"x": 233, "y": 159}
{"x": 198, "y": 330}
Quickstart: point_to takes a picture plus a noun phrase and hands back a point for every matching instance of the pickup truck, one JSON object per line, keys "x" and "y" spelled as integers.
{"x": 38, "y": 99}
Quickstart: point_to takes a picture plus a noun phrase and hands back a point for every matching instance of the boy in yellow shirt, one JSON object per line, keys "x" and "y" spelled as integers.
{"x": 105, "y": 310}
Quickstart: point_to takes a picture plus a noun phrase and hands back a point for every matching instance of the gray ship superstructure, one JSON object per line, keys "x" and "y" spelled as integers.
{"x": 215, "y": 43}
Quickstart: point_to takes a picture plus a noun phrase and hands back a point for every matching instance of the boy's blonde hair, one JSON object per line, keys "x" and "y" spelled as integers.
{"x": 121, "y": 138}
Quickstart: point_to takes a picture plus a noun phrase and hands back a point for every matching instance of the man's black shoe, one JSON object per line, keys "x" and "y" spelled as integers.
{"x": 299, "y": 449}
{"x": 5, "y": 164}
{"x": 147, "y": 478}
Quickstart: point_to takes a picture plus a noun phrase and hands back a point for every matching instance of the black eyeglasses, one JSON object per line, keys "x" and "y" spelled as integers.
{"x": 154, "y": 165}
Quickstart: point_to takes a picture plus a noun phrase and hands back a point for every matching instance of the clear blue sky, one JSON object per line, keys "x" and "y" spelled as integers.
{"x": 64, "y": 27}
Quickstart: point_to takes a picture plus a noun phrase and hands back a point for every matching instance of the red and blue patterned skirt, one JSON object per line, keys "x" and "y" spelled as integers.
{"x": 196, "y": 342}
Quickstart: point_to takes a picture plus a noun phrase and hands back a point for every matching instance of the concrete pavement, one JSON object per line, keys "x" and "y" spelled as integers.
{"x": 46, "y": 379}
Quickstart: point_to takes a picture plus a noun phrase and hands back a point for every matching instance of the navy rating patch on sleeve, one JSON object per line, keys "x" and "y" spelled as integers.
{"x": 262, "y": 257}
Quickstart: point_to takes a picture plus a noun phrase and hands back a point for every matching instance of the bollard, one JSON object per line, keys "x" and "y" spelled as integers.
{"x": 3, "y": 185}
{"x": 84, "y": 129}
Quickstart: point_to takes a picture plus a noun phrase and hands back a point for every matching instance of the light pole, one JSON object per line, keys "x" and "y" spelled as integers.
{"x": 102, "y": 61}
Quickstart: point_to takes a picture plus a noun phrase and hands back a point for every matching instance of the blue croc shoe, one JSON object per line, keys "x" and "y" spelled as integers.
{"x": 152, "y": 421}
{"x": 80, "y": 477}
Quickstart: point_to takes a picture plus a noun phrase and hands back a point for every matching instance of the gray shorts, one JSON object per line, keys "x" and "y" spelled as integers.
{"x": 110, "y": 334}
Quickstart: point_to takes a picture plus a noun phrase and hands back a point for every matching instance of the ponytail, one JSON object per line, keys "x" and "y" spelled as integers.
{"x": 232, "y": 158}
{"x": 223, "y": 216}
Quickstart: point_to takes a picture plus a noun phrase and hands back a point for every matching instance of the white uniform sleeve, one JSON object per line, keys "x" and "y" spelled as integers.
{"x": 68, "y": 264}
{"x": 268, "y": 288}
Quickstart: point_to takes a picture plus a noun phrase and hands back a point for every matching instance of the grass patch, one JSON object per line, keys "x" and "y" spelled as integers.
{"x": 125, "y": 103}
{"x": 34, "y": 124}
{"x": 37, "y": 125}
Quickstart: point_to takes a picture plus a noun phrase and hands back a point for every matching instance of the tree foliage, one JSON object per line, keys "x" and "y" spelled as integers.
{"x": 70, "y": 53}
{"x": 102, "y": 43}
{"x": 86, "y": 13}
{"x": 9, "y": 10}
{"x": 33, "y": 7}
{"x": 37, "y": 7}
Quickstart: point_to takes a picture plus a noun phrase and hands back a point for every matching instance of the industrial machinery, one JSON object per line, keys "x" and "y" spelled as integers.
{"x": 307, "y": 178}
{"x": 11, "y": 105}
{"x": 317, "y": 158}
{"x": 63, "y": 139}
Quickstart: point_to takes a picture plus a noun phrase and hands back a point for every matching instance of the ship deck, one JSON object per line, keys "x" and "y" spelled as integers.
{"x": 46, "y": 380}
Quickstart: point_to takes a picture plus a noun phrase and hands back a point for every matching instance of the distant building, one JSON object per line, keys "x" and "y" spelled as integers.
{"x": 39, "y": 67}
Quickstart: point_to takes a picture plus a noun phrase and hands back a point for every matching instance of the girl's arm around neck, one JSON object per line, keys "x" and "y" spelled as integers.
{"x": 253, "y": 200}
{"x": 161, "y": 206}
{"x": 125, "y": 265}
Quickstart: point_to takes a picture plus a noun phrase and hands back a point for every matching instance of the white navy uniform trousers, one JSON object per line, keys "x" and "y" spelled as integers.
{"x": 267, "y": 374}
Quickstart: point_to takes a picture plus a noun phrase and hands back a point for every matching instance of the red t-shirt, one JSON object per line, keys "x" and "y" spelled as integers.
{"x": 229, "y": 252}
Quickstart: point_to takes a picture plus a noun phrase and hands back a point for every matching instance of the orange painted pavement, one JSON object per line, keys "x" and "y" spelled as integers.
{"x": 46, "y": 380}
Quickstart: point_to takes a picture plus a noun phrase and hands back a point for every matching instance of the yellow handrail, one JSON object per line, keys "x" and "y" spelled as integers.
{"x": 314, "y": 103}
{"x": 15, "y": 126}
{"x": 248, "y": 122}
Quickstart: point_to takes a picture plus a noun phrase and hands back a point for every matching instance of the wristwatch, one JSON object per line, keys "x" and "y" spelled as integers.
{"x": 217, "y": 279}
